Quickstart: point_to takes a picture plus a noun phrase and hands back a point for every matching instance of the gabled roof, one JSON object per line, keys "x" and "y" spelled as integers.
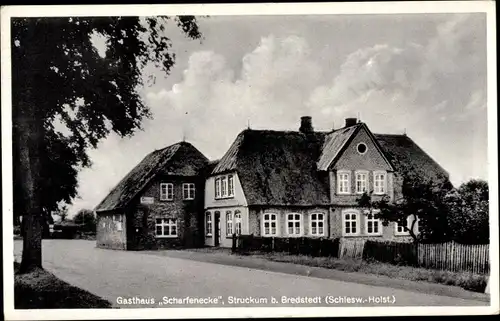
{"x": 401, "y": 150}
{"x": 179, "y": 159}
{"x": 338, "y": 140}
{"x": 277, "y": 167}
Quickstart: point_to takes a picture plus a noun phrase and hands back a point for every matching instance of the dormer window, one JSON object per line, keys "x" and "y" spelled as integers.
{"x": 224, "y": 186}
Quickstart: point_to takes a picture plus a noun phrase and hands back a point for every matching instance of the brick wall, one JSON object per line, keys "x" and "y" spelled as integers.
{"x": 109, "y": 233}
{"x": 188, "y": 214}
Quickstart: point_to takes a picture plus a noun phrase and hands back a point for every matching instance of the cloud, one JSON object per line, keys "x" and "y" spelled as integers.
{"x": 433, "y": 89}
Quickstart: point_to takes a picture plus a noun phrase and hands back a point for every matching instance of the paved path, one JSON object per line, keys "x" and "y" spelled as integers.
{"x": 120, "y": 276}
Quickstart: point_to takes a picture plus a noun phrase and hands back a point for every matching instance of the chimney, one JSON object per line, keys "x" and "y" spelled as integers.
{"x": 306, "y": 124}
{"x": 350, "y": 122}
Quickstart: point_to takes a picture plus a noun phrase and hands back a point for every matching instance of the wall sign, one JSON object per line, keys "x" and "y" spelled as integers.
{"x": 147, "y": 200}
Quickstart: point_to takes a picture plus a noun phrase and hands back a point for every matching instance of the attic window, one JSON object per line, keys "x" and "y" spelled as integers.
{"x": 362, "y": 148}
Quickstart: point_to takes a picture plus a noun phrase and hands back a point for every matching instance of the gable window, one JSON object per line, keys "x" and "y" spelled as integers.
{"x": 208, "y": 224}
{"x": 237, "y": 222}
{"x": 361, "y": 182}
{"x": 344, "y": 182}
{"x": 188, "y": 190}
{"x": 351, "y": 224}
{"x": 400, "y": 229}
{"x": 166, "y": 191}
{"x": 229, "y": 223}
{"x": 217, "y": 187}
{"x": 294, "y": 224}
{"x": 166, "y": 227}
{"x": 372, "y": 225}
{"x": 317, "y": 224}
{"x": 379, "y": 182}
{"x": 269, "y": 224}
{"x": 362, "y": 148}
{"x": 224, "y": 186}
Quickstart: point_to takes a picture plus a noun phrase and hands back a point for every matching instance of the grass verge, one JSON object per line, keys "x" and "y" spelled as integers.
{"x": 40, "y": 289}
{"x": 467, "y": 281}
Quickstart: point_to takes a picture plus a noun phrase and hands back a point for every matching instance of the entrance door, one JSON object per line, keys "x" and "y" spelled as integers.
{"x": 217, "y": 229}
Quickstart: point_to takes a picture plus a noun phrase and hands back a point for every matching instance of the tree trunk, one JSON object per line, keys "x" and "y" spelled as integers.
{"x": 28, "y": 137}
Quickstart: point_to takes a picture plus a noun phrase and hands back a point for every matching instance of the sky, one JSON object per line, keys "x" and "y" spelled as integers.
{"x": 423, "y": 74}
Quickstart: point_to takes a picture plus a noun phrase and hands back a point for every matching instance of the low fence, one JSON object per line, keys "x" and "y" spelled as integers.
{"x": 449, "y": 256}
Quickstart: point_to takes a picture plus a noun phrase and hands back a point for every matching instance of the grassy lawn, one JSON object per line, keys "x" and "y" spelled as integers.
{"x": 42, "y": 290}
{"x": 467, "y": 281}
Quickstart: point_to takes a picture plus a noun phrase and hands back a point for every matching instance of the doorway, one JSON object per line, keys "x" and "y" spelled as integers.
{"x": 217, "y": 228}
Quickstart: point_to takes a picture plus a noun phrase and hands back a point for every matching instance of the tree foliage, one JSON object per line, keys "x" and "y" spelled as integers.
{"x": 87, "y": 219}
{"x": 418, "y": 196}
{"x": 67, "y": 96}
{"x": 469, "y": 212}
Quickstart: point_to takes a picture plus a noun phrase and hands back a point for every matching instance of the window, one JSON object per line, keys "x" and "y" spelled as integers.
{"x": 372, "y": 225}
{"x": 237, "y": 222}
{"x": 166, "y": 227}
{"x": 118, "y": 222}
{"x": 400, "y": 230}
{"x": 166, "y": 191}
{"x": 294, "y": 224}
{"x": 230, "y": 186}
{"x": 188, "y": 191}
{"x": 351, "y": 223}
{"x": 317, "y": 224}
{"x": 229, "y": 223}
{"x": 224, "y": 186}
{"x": 217, "y": 187}
{"x": 379, "y": 182}
{"x": 362, "y": 148}
{"x": 208, "y": 224}
{"x": 361, "y": 182}
{"x": 270, "y": 224}
{"x": 344, "y": 182}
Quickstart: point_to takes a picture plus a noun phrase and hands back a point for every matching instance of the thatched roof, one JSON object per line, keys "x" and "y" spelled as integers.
{"x": 181, "y": 159}
{"x": 402, "y": 151}
{"x": 289, "y": 167}
{"x": 277, "y": 167}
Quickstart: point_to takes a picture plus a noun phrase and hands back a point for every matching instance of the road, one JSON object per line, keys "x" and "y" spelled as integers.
{"x": 136, "y": 279}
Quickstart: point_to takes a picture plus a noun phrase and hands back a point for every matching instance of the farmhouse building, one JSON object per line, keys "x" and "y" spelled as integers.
{"x": 307, "y": 183}
{"x": 159, "y": 204}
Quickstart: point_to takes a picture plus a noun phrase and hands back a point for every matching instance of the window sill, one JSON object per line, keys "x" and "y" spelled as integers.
{"x": 373, "y": 235}
{"x": 352, "y": 235}
{"x": 339, "y": 193}
{"x": 270, "y": 235}
{"x": 167, "y": 236}
{"x": 224, "y": 198}
{"x": 208, "y": 235}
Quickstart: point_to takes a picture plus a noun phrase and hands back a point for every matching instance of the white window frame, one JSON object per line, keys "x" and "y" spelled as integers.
{"x": 224, "y": 186}
{"x": 365, "y": 173}
{"x": 230, "y": 185}
{"x": 373, "y": 220}
{"x": 189, "y": 188}
{"x": 208, "y": 223}
{"x": 317, "y": 221}
{"x": 276, "y": 220}
{"x": 166, "y": 222}
{"x": 294, "y": 220}
{"x": 408, "y": 224}
{"x": 344, "y": 221}
{"x": 229, "y": 220}
{"x": 237, "y": 222}
{"x": 384, "y": 181}
{"x": 217, "y": 187}
{"x": 339, "y": 181}
{"x": 169, "y": 192}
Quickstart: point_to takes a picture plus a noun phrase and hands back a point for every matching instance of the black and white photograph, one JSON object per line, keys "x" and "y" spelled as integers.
{"x": 249, "y": 160}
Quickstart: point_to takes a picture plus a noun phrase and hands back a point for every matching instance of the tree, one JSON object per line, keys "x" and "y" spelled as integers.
{"x": 469, "y": 212}
{"x": 422, "y": 199}
{"x": 66, "y": 97}
{"x": 87, "y": 219}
